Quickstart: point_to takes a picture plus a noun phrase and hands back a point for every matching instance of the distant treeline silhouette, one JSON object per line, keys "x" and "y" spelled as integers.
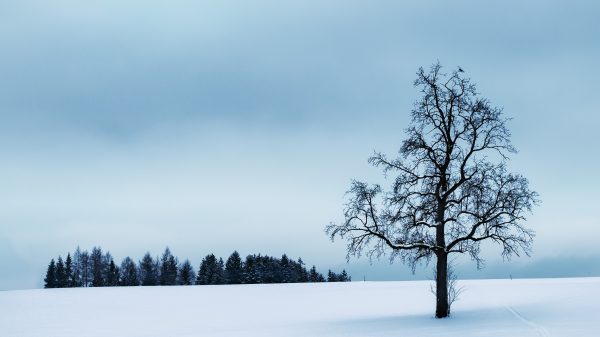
{"x": 98, "y": 269}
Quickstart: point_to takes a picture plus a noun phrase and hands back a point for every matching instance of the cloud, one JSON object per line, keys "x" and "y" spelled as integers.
{"x": 240, "y": 124}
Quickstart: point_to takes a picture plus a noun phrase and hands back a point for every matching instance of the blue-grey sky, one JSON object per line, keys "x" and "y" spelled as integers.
{"x": 210, "y": 126}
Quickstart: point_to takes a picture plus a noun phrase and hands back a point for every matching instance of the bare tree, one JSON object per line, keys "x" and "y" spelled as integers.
{"x": 454, "y": 289}
{"x": 451, "y": 189}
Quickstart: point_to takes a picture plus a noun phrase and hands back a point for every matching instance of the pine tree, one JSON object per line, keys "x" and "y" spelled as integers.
{"x": 76, "y": 275}
{"x": 86, "y": 269}
{"x": 331, "y": 277}
{"x": 148, "y": 271}
{"x": 69, "y": 271}
{"x": 250, "y": 274}
{"x": 186, "y": 273}
{"x": 219, "y": 276}
{"x": 105, "y": 269}
{"x": 267, "y": 269}
{"x": 61, "y": 275}
{"x": 343, "y": 277}
{"x": 302, "y": 273}
{"x": 233, "y": 269}
{"x": 211, "y": 271}
{"x": 98, "y": 268}
{"x": 201, "y": 279}
{"x": 129, "y": 273}
{"x": 286, "y": 274}
{"x": 314, "y": 276}
{"x": 112, "y": 279}
{"x": 50, "y": 280}
{"x": 168, "y": 268}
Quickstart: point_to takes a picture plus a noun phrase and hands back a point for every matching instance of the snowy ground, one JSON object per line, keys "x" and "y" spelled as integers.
{"x": 504, "y": 308}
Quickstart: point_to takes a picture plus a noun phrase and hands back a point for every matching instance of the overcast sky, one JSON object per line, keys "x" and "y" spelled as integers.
{"x": 209, "y": 126}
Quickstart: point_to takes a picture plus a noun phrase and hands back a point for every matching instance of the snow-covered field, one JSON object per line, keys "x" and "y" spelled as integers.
{"x": 504, "y": 308}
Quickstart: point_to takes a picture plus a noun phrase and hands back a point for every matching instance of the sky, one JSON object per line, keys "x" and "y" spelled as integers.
{"x": 213, "y": 126}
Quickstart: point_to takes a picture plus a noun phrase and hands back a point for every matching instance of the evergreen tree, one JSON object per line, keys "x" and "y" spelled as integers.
{"x": 157, "y": 270}
{"x": 100, "y": 270}
{"x": 61, "y": 274}
{"x": 148, "y": 271}
{"x": 105, "y": 268}
{"x": 314, "y": 276}
{"x": 98, "y": 267}
{"x": 250, "y": 274}
{"x": 343, "y": 277}
{"x": 76, "y": 275}
{"x": 112, "y": 279}
{"x": 168, "y": 269}
{"x": 129, "y": 273}
{"x": 86, "y": 269}
{"x": 211, "y": 271}
{"x": 233, "y": 269}
{"x": 50, "y": 280}
{"x": 286, "y": 272}
{"x": 202, "y": 277}
{"x": 186, "y": 273}
{"x": 302, "y": 274}
{"x": 69, "y": 271}
{"x": 269, "y": 269}
{"x": 219, "y": 277}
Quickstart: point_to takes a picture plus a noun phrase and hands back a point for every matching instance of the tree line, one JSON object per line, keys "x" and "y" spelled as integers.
{"x": 98, "y": 269}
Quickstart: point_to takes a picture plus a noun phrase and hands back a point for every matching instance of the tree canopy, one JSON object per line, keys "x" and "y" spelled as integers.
{"x": 450, "y": 187}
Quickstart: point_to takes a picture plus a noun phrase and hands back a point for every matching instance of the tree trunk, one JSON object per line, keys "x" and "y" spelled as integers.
{"x": 441, "y": 286}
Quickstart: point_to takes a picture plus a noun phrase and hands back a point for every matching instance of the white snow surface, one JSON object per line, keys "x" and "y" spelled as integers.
{"x": 504, "y": 308}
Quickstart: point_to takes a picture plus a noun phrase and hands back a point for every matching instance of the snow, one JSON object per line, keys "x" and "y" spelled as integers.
{"x": 506, "y": 308}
